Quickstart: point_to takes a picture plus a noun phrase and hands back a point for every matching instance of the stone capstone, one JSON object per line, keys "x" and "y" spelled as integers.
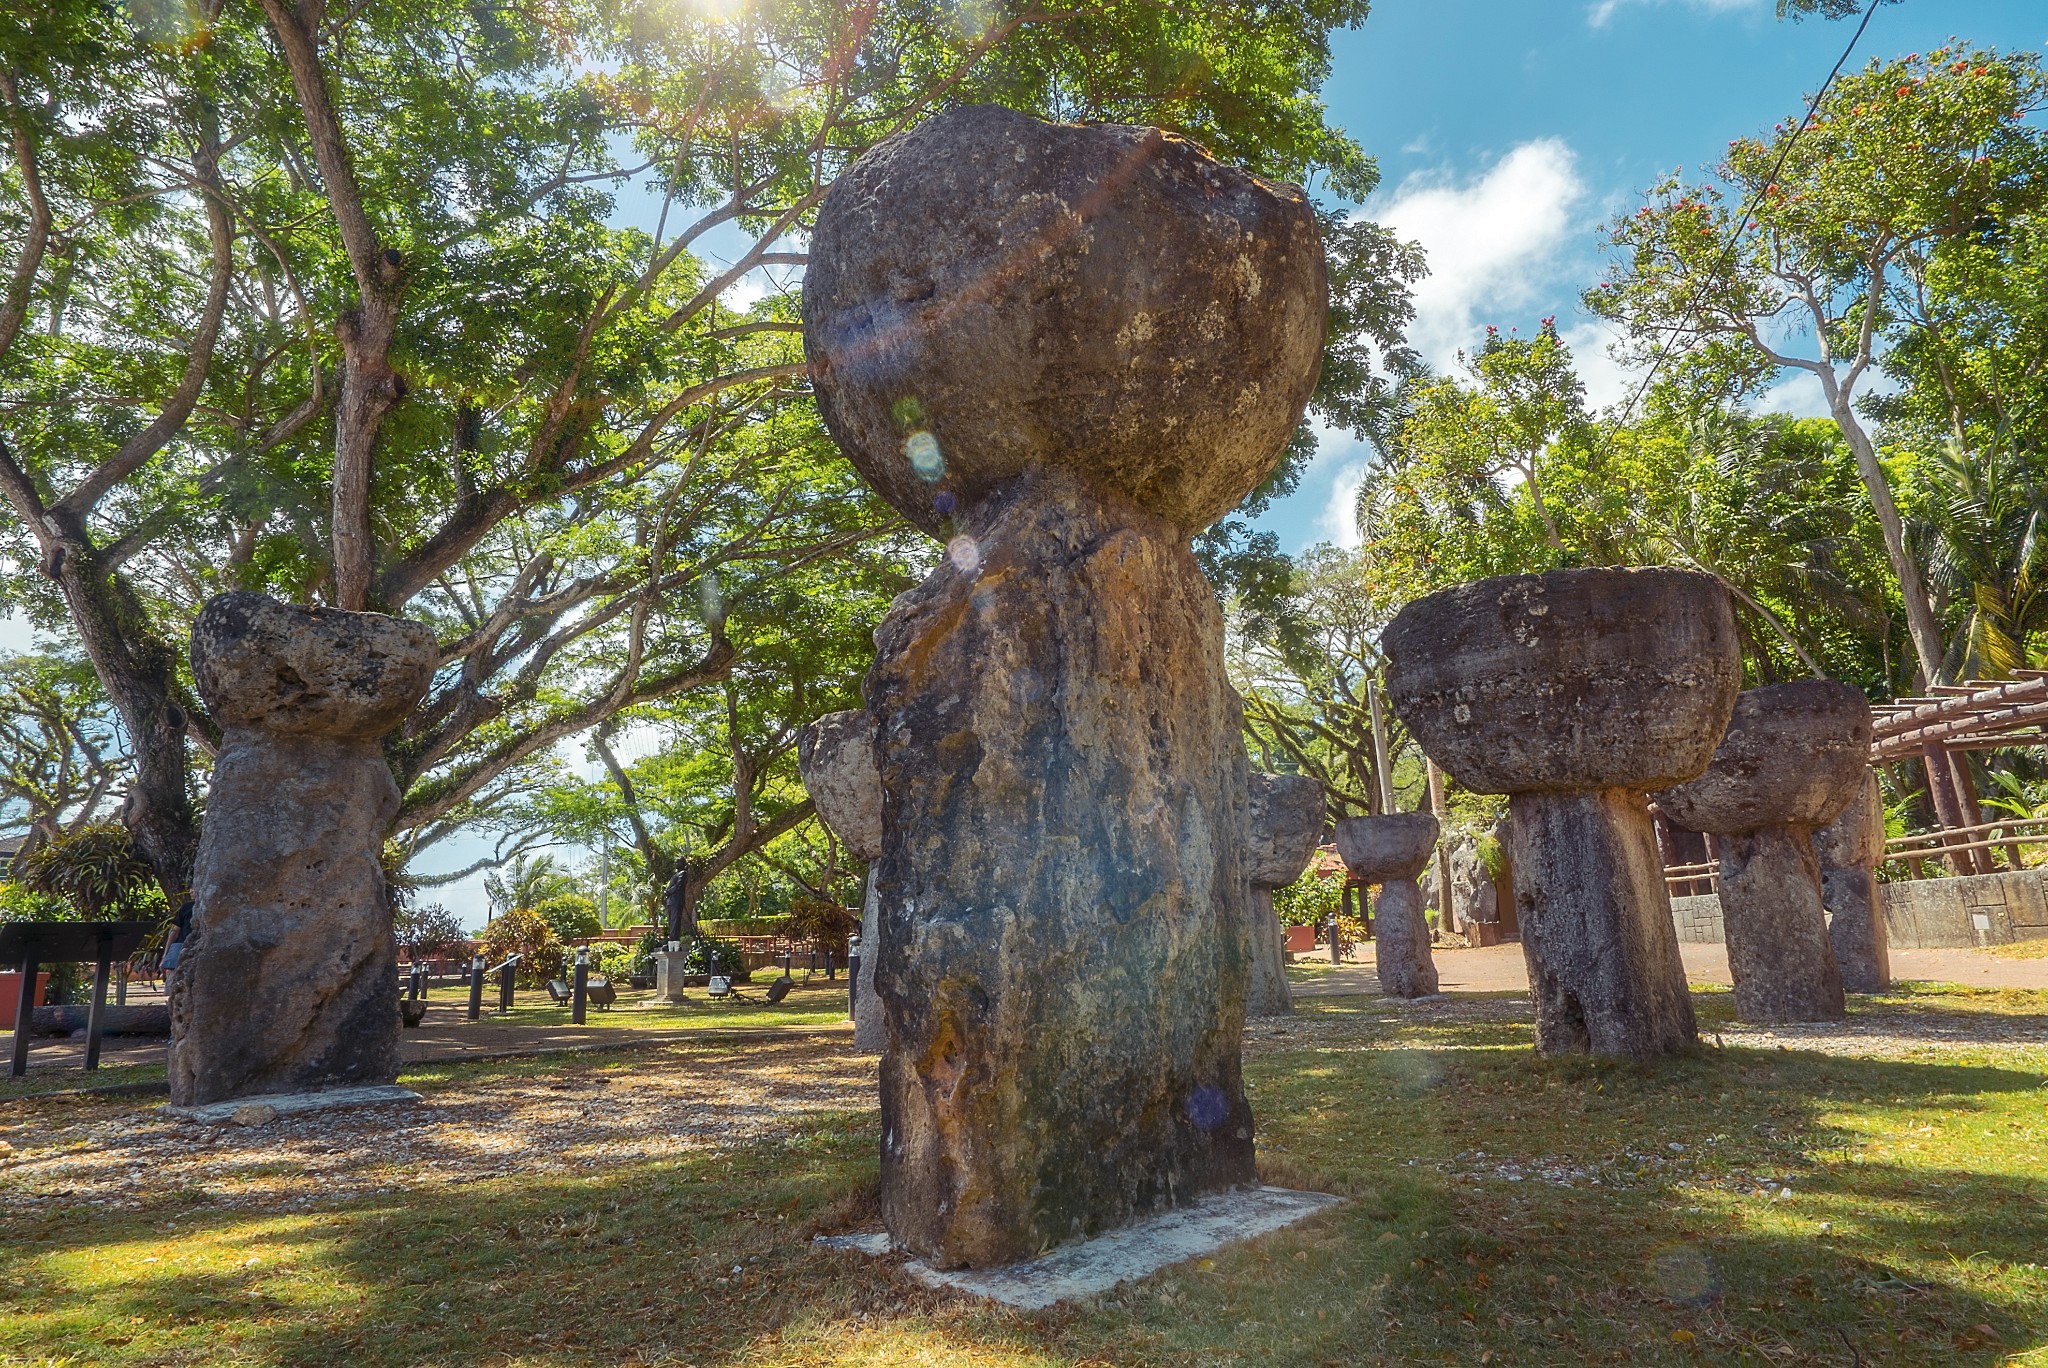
{"x": 289, "y": 979}
{"x": 1795, "y": 755}
{"x": 1066, "y": 349}
{"x": 1390, "y": 851}
{"x": 1848, "y": 850}
{"x": 1570, "y": 681}
{"x": 836, "y": 755}
{"x": 989, "y": 295}
{"x": 1286, "y": 822}
{"x": 1575, "y": 692}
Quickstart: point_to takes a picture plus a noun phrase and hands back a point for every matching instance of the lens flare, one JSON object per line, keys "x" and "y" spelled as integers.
{"x": 921, "y": 449}
{"x": 964, "y": 553}
{"x": 1208, "y": 1108}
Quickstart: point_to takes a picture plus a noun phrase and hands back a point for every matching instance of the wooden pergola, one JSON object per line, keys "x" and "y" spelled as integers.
{"x": 1935, "y": 730}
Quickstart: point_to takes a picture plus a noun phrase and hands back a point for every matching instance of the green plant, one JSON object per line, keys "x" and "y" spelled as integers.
{"x": 1309, "y": 900}
{"x": 96, "y": 869}
{"x": 521, "y": 932}
{"x": 571, "y": 915}
{"x": 714, "y": 956}
{"x": 615, "y": 962}
{"x": 19, "y": 902}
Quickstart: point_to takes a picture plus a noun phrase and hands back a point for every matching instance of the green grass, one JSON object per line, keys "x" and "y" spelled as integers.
{"x": 1751, "y": 1206}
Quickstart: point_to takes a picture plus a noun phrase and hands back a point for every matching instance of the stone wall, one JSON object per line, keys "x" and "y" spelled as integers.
{"x": 1698, "y": 918}
{"x": 1924, "y": 914}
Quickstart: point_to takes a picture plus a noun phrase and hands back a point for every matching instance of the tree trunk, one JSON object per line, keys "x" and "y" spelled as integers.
{"x": 1920, "y": 621}
{"x": 139, "y": 673}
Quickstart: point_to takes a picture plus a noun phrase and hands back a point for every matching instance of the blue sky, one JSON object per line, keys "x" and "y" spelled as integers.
{"x": 1507, "y": 130}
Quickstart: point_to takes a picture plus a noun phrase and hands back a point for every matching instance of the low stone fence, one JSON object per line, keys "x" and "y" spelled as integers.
{"x": 1924, "y": 914}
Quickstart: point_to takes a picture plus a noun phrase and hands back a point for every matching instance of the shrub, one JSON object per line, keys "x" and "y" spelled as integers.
{"x": 1309, "y": 900}
{"x": 822, "y": 923}
{"x": 522, "y": 932}
{"x": 96, "y": 869}
{"x": 707, "y": 953}
{"x": 615, "y": 962}
{"x": 729, "y": 927}
{"x": 19, "y": 902}
{"x": 571, "y": 915}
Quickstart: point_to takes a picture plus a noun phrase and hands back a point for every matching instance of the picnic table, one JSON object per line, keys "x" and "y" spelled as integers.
{"x": 32, "y": 944}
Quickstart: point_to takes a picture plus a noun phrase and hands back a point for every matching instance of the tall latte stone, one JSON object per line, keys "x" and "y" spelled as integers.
{"x": 1848, "y": 850}
{"x": 1064, "y": 350}
{"x": 1575, "y": 693}
{"x": 836, "y": 755}
{"x": 1390, "y": 852}
{"x": 1286, "y": 821}
{"x": 1794, "y": 757}
{"x": 290, "y": 977}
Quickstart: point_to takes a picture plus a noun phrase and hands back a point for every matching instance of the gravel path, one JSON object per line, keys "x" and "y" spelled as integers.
{"x": 660, "y": 1102}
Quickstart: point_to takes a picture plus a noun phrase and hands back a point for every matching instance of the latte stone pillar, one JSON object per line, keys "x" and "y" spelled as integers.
{"x": 1063, "y": 351}
{"x": 1286, "y": 820}
{"x": 1794, "y": 758}
{"x": 1392, "y": 851}
{"x": 1575, "y": 693}
{"x": 836, "y": 755}
{"x": 289, "y": 979}
{"x": 1849, "y": 850}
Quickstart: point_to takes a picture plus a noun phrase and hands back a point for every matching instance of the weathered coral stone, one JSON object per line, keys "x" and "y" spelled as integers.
{"x": 989, "y": 295}
{"x": 1066, "y": 349}
{"x": 1286, "y": 819}
{"x": 1575, "y": 692}
{"x": 1392, "y": 851}
{"x": 836, "y": 755}
{"x": 1794, "y": 757}
{"x": 289, "y": 979}
{"x": 1849, "y": 850}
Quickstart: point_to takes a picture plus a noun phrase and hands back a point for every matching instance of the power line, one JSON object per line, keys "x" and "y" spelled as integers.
{"x": 1749, "y": 209}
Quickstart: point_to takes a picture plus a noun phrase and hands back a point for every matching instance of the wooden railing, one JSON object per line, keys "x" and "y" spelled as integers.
{"x": 2007, "y": 835}
{"x": 1926, "y": 845}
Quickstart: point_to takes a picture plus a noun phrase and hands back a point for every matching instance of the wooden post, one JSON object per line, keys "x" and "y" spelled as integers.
{"x": 1443, "y": 860}
{"x": 102, "y": 967}
{"x": 1972, "y": 810}
{"x": 1947, "y": 810}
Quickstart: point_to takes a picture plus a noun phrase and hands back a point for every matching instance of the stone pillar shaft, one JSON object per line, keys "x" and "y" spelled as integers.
{"x": 1401, "y": 947}
{"x": 1604, "y": 968}
{"x": 1778, "y": 950}
{"x": 1269, "y": 993}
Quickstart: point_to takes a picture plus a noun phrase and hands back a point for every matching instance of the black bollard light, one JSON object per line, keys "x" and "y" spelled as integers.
{"x": 1336, "y": 955}
{"x": 852, "y": 983}
{"x": 476, "y": 987}
{"x": 505, "y": 973}
{"x": 580, "y": 985}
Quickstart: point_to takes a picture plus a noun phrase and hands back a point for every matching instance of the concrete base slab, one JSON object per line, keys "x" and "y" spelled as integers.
{"x": 1137, "y": 1251}
{"x": 291, "y": 1104}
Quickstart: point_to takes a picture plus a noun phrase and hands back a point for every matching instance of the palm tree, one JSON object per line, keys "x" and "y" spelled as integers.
{"x": 527, "y": 882}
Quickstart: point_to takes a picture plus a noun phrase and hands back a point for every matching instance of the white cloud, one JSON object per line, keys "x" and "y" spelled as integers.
{"x": 1601, "y": 11}
{"x": 1493, "y": 243}
{"x": 1339, "y": 466}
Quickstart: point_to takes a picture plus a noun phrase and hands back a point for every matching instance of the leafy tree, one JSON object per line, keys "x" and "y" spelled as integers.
{"x": 61, "y": 757}
{"x": 571, "y": 916}
{"x": 332, "y": 302}
{"x": 527, "y": 882}
{"x": 428, "y": 929}
{"x": 1899, "y": 159}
